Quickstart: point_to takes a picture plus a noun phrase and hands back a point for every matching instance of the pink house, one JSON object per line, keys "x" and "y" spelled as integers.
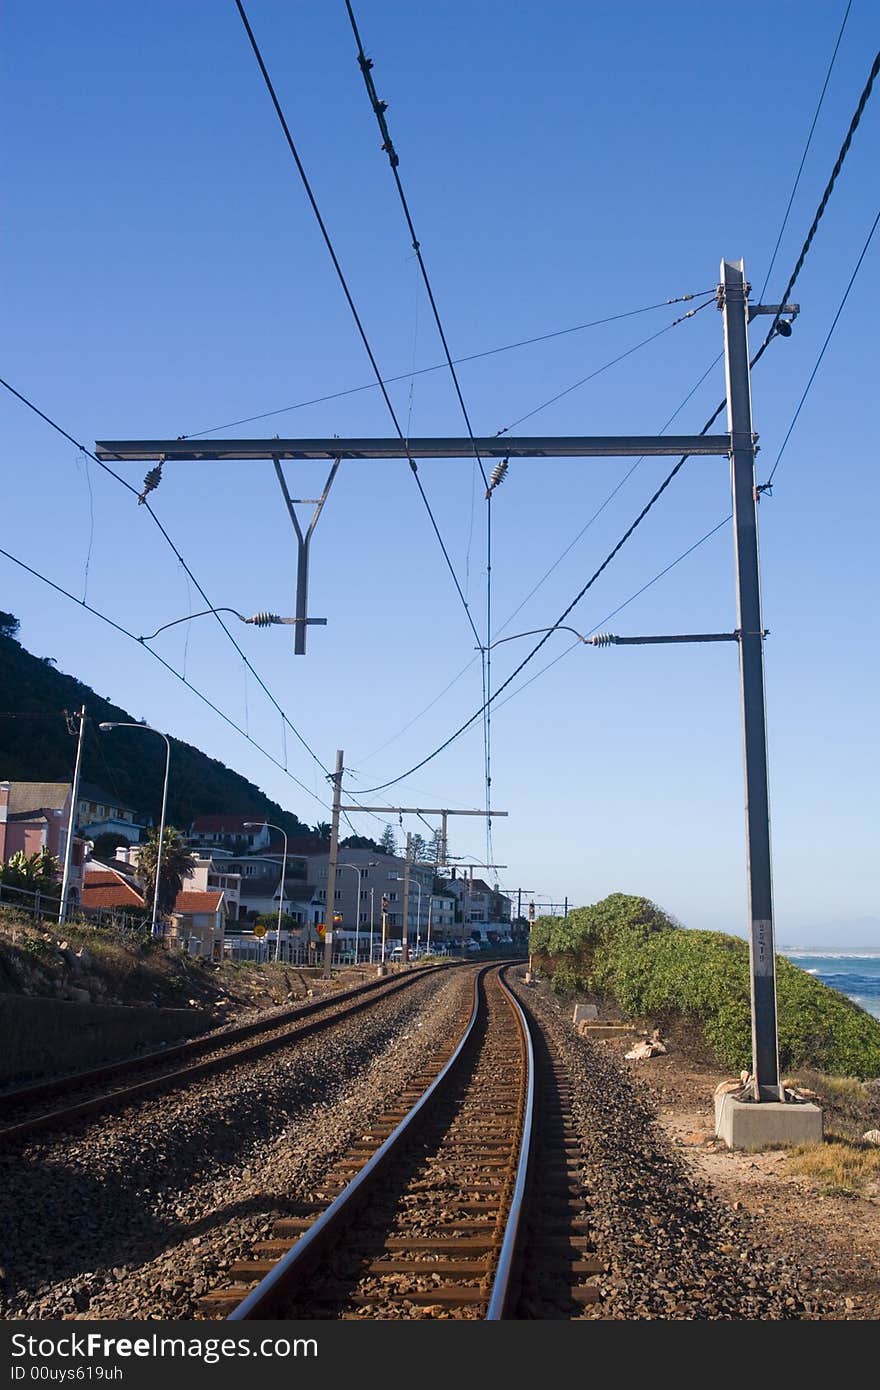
{"x": 36, "y": 816}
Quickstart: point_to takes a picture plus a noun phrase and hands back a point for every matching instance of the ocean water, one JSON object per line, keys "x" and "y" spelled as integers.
{"x": 855, "y": 973}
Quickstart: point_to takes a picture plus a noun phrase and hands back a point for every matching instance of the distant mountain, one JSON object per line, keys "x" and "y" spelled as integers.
{"x": 36, "y": 746}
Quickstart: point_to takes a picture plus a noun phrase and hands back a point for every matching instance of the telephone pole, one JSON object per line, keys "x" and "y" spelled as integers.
{"x": 71, "y": 822}
{"x": 405, "y": 933}
{"x": 331, "y": 865}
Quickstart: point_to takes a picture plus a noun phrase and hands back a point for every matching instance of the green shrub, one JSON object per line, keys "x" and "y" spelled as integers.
{"x": 627, "y": 949}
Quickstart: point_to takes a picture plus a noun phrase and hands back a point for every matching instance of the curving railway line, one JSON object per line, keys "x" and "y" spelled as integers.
{"x": 450, "y": 1149}
{"x": 464, "y": 1201}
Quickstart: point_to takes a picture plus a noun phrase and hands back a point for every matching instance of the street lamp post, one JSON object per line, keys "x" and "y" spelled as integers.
{"x": 357, "y": 912}
{"x": 385, "y": 905}
{"x": 372, "y": 891}
{"x": 116, "y": 724}
{"x": 255, "y": 825}
{"x": 418, "y": 913}
{"x": 418, "y": 918}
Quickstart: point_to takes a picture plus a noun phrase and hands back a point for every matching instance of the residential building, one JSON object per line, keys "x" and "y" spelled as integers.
{"x": 100, "y": 813}
{"x": 480, "y": 910}
{"x": 259, "y": 884}
{"x": 198, "y": 923}
{"x": 234, "y": 832}
{"x": 359, "y": 894}
{"x": 442, "y": 915}
{"x": 198, "y": 919}
{"x": 108, "y": 889}
{"x": 36, "y": 816}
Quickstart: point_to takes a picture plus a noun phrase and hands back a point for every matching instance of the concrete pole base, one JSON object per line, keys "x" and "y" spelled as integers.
{"x": 381, "y": 970}
{"x": 751, "y": 1124}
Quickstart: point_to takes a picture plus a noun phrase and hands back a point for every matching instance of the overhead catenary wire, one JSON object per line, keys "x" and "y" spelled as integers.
{"x": 805, "y": 153}
{"x": 604, "y": 368}
{"x": 610, "y": 497}
{"x": 442, "y": 366}
{"x": 379, "y": 108}
{"x": 111, "y": 622}
{"x": 619, "y": 609}
{"x": 467, "y": 666}
{"x": 771, "y": 334}
{"x": 765, "y": 486}
{"x": 823, "y": 202}
{"x": 212, "y": 608}
{"x": 351, "y": 304}
{"x": 658, "y": 493}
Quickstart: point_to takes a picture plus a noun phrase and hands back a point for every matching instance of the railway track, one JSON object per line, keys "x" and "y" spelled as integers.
{"x": 110, "y": 1087}
{"x": 465, "y": 1201}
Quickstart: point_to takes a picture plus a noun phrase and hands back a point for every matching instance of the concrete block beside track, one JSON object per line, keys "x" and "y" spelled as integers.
{"x": 750, "y": 1124}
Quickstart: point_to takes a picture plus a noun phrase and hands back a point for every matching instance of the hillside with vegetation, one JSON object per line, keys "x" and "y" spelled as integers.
{"x": 627, "y": 950}
{"x": 37, "y": 746}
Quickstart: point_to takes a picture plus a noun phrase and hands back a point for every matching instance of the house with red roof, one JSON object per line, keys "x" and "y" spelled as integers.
{"x": 198, "y": 923}
{"x": 198, "y": 920}
{"x": 228, "y": 831}
{"x": 108, "y": 889}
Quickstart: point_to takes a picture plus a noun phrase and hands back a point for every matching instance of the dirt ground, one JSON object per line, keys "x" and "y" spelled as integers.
{"x": 833, "y": 1237}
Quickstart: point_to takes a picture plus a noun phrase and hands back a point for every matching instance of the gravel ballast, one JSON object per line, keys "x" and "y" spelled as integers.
{"x": 676, "y": 1251}
{"x": 136, "y": 1214}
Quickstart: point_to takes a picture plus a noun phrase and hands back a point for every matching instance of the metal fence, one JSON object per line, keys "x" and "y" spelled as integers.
{"x": 47, "y": 906}
{"x": 261, "y": 950}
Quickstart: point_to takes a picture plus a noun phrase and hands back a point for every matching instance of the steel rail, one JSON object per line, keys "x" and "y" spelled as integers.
{"x": 502, "y": 1286}
{"x": 191, "y": 1047}
{"x": 312, "y": 1244}
{"x": 356, "y": 1000}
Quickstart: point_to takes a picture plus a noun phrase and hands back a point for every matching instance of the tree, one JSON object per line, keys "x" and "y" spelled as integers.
{"x": 360, "y": 842}
{"x": 322, "y": 830}
{"x": 177, "y": 862}
{"x": 418, "y": 849}
{"x": 388, "y": 844}
{"x": 105, "y": 846}
{"x": 9, "y": 625}
{"x": 35, "y": 873}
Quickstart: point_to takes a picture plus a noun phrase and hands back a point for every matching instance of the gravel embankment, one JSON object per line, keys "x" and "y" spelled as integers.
{"x": 135, "y": 1214}
{"x": 676, "y": 1250}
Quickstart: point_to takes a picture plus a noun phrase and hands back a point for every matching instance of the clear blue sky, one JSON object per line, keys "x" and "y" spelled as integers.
{"x": 164, "y": 274}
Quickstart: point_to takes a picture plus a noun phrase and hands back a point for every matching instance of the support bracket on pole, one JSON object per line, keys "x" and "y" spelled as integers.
{"x": 303, "y": 542}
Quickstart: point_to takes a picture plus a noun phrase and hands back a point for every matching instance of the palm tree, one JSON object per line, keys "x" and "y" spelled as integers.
{"x": 177, "y": 862}
{"x": 322, "y": 830}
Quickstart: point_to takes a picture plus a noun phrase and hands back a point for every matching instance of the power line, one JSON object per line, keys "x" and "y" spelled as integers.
{"x": 351, "y": 304}
{"x": 561, "y": 619}
{"x": 442, "y": 366}
{"x": 838, "y": 165}
{"x": 823, "y": 203}
{"x": 467, "y": 666}
{"x": 379, "y": 107}
{"x": 579, "y": 643}
{"x": 604, "y": 368}
{"x": 210, "y": 607}
{"x": 806, "y": 392}
{"x": 804, "y": 155}
{"x": 111, "y": 622}
{"x": 612, "y": 494}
